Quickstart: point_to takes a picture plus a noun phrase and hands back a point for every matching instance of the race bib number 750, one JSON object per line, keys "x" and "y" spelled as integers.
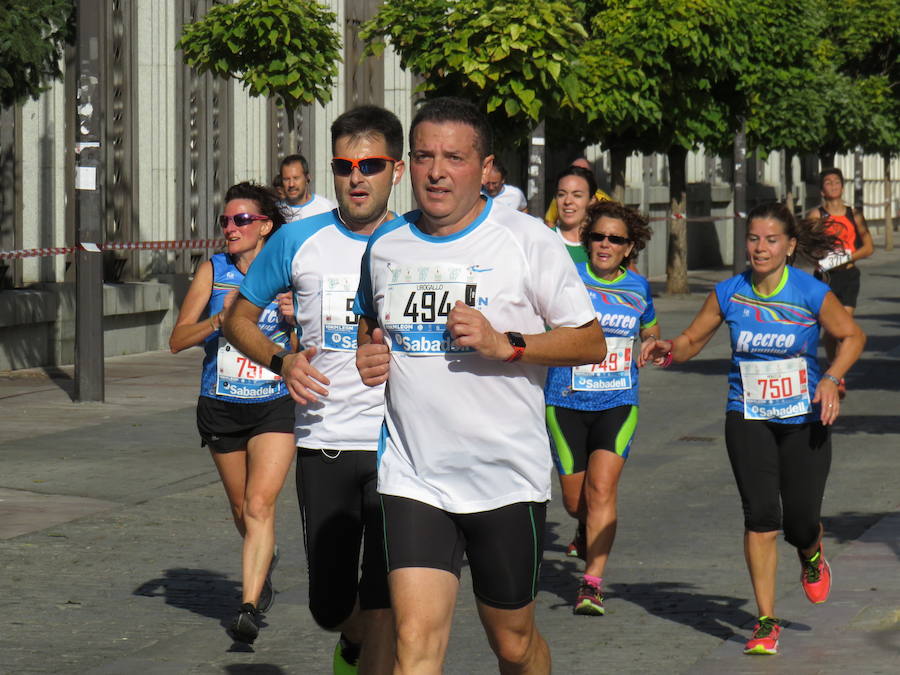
{"x": 775, "y": 389}
{"x": 417, "y": 303}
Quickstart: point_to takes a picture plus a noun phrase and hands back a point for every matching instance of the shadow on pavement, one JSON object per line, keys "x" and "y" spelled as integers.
{"x": 718, "y": 367}
{"x": 716, "y": 615}
{"x": 851, "y": 525}
{"x": 867, "y": 424}
{"x": 253, "y": 669}
{"x": 200, "y": 591}
{"x": 61, "y": 379}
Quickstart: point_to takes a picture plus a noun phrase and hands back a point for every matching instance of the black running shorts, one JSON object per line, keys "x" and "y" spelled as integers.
{"x": 504, "y": 546}
{"x": 844, "y": 283}
{"x": 340, "y": 510}
{"x": 781, "y": 471}
{"x": 225, "y": 426}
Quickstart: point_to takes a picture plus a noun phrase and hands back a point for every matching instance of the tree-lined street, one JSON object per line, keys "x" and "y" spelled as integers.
{"x": 120, "y": 556}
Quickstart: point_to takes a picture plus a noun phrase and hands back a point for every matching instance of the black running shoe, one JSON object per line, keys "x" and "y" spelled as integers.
{"x": 245, "y": 626}
{"x": 267, "y": 594}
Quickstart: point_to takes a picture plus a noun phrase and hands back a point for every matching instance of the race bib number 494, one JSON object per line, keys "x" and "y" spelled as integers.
{"x": 417, "y": 303}
{"x": 775, "y": 389}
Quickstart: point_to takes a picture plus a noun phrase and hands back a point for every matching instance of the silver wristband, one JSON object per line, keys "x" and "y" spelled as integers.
{"x": 829, "y": 376}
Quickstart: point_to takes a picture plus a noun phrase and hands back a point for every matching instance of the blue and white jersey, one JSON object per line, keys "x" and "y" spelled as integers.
{"x": 624, "y": 307}
{"x": 227, "y": 374}
{"x": 774, "y": 338}
{"x": 313, "y": 206}
{"x": 318, "y": 258}
{"x": 464, "y": 433}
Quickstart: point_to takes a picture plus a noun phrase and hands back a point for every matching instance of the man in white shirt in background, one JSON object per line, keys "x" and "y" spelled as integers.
{"x": 299, "y": 202}
{"x": 495, "y": 186}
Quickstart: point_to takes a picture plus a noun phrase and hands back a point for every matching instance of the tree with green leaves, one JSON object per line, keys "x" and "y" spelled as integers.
{"x": 33, "y": 35}
{"x": 664, "y": 80}
{"x": 288, "y": 50}
{"x": 518, "y": 61}
{"x": 861, "y": 41}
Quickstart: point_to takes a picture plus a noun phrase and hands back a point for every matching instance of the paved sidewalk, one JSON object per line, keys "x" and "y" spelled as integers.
{"x": 119, "y": 554}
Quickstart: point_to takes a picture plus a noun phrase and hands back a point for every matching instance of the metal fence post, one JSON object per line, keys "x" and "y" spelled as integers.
{"x": 89, "y": 385}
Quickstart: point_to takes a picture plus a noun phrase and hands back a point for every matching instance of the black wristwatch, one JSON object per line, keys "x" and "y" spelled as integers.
{"x": 277, "y": 361}
{"x": 518, "y": 344}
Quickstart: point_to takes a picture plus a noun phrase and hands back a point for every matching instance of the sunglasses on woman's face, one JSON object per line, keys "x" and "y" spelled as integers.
{"x": 368, "y": 166}
{"x": 239, "y": 219}
{"x": 597, "y": 237}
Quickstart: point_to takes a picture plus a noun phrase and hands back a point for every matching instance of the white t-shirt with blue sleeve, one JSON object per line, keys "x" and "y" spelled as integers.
{"x": 464, "y": 433}
{"x": 318, "y": 259}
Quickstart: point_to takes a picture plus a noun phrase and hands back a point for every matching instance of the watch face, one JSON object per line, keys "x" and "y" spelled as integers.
{"x": 516, "y": 339}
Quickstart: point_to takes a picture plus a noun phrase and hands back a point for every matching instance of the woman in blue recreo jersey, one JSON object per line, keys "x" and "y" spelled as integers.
{"x": 592, "y": 410}
{"x": 779, "y": 406}
{"x": 244, "y": 413}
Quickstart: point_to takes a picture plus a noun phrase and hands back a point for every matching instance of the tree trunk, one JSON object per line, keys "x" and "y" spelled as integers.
{"x": 888, "y": 206}
{"x": 827, "y": 160}
{"x": 676, "y": 257}
{"x": 739, "y": 186}
{"x": 788, "y": 184}
{"x": 617, "y": 159}
{"x": 858, "y": 180}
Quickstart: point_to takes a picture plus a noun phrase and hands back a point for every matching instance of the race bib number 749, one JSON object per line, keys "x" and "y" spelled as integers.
{"x": 418, "y": 301}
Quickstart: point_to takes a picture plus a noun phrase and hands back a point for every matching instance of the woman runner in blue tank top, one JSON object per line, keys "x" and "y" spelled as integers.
{"x": 779, "y": 406}
{"x": 592, "y": 410}
{"x": 244, "y": 413}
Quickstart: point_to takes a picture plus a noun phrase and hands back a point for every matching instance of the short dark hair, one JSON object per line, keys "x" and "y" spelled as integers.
{"x": 452, "y": 109}
{"x": 265, "y": 199}
{"x": 277, "y": 181}
{"x": 833, "y": 171}
{"x": 291, "y": 159}
{"x": 366, "y": 120}
{"x": 638, "y": 226}
{"x": 500, "y": 168}
{"x": 581, "y": 172}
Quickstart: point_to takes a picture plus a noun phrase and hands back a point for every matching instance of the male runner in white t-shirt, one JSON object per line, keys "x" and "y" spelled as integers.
{"x": 337, "y": 428}
{"x": 445, "y": 296}
{"x": 495, "y": 186}
{"x": 299, "y": 202}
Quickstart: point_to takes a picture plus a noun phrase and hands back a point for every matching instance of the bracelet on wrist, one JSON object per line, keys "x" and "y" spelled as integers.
{"x": 829, "y": 376}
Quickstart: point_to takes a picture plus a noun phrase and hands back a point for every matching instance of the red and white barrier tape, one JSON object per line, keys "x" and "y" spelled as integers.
{"x": 115, "y": 246}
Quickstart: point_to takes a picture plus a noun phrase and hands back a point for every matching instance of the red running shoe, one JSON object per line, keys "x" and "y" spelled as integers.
{"x": 765, "y": 636}
{"x": 815, "y": 576}
{"x": 577, "y": 548}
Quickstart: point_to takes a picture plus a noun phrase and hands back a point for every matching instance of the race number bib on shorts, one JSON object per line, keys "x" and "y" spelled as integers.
{"x": 338, "y": 320}
{"x": 613, "y": 374}
{"x": 241, "y": 377}
{"x": 775, "y": 389}
{"x": 417, "y": 302}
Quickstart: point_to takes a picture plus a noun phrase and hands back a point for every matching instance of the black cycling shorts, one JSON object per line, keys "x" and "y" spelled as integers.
{"x": 844, "y": 283}
{"x": 504, "y": 546}
{"x": 225, "y": 426}
{"x": 577, "y": 433}
{"x": 780, "y": 470}
{"x": 341, "y": 510}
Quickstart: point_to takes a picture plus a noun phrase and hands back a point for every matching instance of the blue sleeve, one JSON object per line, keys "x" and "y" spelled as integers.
{"x": 270, "y": 273}
{"x": 817, "y": 294}
{"x": 648, "y": 318}
{"x": 364, "y": 304}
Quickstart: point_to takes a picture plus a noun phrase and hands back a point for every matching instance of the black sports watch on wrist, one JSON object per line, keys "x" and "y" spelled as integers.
{"x": 517, "y": 342}
{"x": 277, "y": 361}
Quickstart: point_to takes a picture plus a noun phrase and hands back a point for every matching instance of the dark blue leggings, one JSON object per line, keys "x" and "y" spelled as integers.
{"x": 780, "y": 468}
